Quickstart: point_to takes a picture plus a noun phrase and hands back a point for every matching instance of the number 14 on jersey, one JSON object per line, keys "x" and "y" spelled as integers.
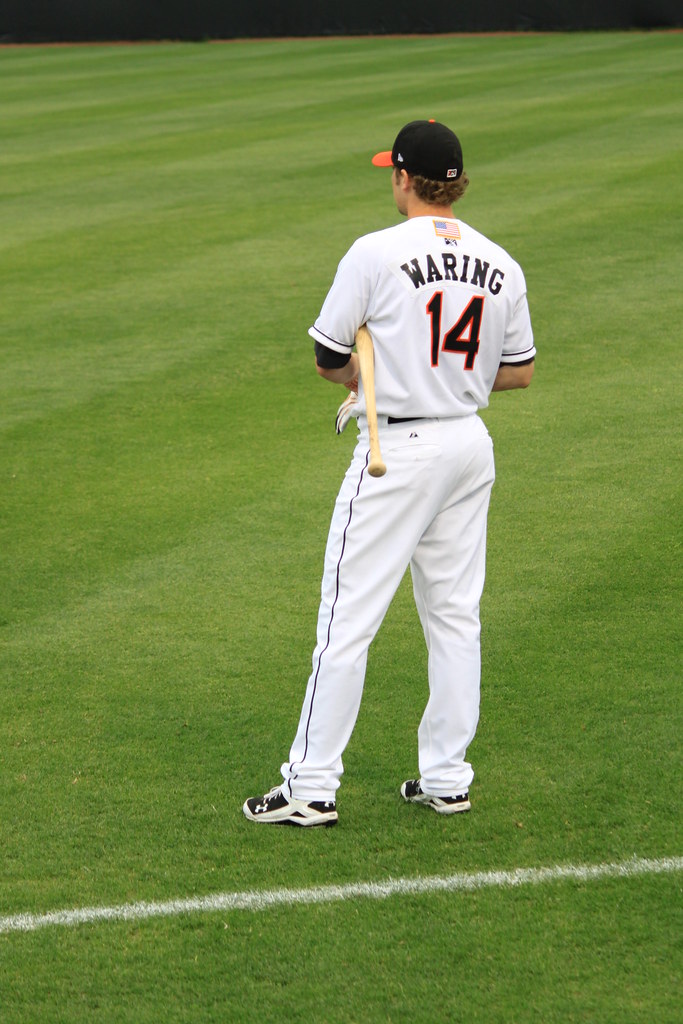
{"x": 463, "y": 336}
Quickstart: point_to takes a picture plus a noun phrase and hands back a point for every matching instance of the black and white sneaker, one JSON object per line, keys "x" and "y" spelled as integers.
{"x": 276, "y": 809}
{"x": 412, "y": 792}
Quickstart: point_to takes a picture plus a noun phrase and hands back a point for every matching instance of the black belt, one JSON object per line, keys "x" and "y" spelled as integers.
{"x": 404, "y": 419}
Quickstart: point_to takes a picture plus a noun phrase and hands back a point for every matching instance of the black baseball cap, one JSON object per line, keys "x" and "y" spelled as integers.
{"x": 427, "y": 148}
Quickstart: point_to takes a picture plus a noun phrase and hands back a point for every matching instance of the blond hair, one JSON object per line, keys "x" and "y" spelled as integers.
{"x": 439, "y": 193}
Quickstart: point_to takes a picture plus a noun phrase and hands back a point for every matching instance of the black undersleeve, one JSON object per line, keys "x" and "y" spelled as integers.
{"x": 328, "y": 359}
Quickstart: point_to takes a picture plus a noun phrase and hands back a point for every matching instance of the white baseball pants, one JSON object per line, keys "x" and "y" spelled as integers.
{"x": 429, "y": 511}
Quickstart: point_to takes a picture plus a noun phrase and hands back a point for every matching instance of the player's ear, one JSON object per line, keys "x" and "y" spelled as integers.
{"x": 403, "y": 179}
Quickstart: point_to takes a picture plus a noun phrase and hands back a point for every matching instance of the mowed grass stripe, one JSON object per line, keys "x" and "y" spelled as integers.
{"x": 263, "y": 900}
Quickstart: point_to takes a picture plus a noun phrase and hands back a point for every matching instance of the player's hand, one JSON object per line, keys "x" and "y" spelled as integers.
{"x": 345, "y": 411}
{"x": 352, "y": 384}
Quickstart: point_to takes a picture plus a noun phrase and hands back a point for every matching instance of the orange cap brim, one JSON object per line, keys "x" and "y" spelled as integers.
{"x": 382, "y": 159}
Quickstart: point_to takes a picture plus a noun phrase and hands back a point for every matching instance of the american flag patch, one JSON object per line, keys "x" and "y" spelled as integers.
{"x": 446, "y": 229}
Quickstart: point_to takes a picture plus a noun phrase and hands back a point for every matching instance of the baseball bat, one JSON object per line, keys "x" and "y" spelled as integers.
{"x": 366, "y": 358}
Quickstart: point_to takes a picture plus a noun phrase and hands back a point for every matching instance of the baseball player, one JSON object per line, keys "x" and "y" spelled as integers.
{"x": 447, "y": 312}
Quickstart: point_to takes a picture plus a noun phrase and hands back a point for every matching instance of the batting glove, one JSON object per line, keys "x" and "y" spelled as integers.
{"x": 345, "y": 411}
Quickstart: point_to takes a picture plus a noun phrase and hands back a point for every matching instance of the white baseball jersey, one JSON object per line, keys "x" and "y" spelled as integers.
{"x": 445, "y": 307}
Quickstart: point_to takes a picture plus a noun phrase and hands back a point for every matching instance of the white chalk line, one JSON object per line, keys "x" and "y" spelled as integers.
{"x": 263, "y": 900}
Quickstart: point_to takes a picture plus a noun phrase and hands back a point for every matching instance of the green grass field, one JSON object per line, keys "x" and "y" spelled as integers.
{"x": 171, "y": 219}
